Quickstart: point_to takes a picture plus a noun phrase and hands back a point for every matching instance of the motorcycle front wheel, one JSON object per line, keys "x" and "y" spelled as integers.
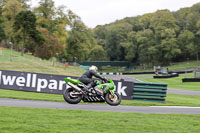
{"x": 70, "y": 98}
{"x": 113, "y": 100}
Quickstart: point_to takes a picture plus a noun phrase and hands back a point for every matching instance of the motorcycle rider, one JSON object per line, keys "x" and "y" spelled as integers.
{"x": 87, "y": 79}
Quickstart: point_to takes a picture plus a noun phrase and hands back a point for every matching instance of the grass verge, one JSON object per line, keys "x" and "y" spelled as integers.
{"x": 32, "y": 120}
{"x": 173, "y": 83}
{"x": 29, "y": 63}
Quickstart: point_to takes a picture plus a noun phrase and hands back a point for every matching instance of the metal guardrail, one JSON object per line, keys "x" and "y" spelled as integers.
{"x": 152, "y": 72}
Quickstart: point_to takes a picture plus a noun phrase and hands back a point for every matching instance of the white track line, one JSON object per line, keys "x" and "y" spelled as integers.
{"x": 175, "y": 107}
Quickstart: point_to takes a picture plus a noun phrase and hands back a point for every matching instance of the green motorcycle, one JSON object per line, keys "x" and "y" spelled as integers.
{"x": 103, "y": 91}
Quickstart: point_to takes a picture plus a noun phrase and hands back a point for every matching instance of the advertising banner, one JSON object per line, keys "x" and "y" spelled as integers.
{"x": 48, "y": 83}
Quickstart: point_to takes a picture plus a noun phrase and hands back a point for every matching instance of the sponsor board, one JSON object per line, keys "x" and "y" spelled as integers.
{"x": 48, "y": 83}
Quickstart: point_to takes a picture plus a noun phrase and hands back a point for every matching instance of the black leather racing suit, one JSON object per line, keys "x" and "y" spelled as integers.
{"x": 86, "y": 78}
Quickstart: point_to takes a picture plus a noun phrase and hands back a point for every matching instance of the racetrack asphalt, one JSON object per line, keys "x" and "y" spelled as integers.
{"x": 99, "y": 107}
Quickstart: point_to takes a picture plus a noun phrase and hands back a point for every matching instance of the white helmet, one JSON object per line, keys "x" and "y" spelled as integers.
{"x": 94, "y": 68}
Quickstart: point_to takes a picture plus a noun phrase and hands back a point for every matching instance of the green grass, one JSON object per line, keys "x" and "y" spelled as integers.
{"x": 171, "y": 99}
{"x": 184, "y": 65}
{"x": 173, "y": 83}
{"x": 32, "y": 120}
{"x": 30, "y": 95}
{"x": 29, "y": 63}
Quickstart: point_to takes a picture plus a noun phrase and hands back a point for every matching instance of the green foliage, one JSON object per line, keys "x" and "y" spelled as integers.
{"x": 80, "y": 41}
{"x": 185, "y": 41}
{"x": 45, "y": 13}
{"x": 10, "y": 8}
{"x": 116, "y": 41}
{"x": 2, "y": 26}
{"x": 77, "y": 42}
{"x": 25, "y": 22}
{"x": 131, "y": 48}
{"x": 97, "y": 54}
{"x": 51, "y": 46}
{"x": 153, "y": 39}
{"x": 2, "y": 32}
{"x": 53, "y": 19}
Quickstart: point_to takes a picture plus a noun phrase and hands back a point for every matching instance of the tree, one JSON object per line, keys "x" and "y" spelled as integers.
{"x": 24, "y": 4}
{"x": 132, "y": 48}
{"x": 61, "y": 22}
{"x": 181, "y": 18}
{"x": 153, "y": 39}
{"x": 97, "y": 54}
{"x": 56, "y": 20}
{"x": 2, "y": 32}
{"x": 2, "y": 26}
{"x": 25, "y": 22}
{"x": 194, "y": 26}
{"x": 144, "y": 21}
{"x": 10, "y": 9}
{"x": 185, "y": 41}
{"x": 146, "y": 44}
{"x": 80, "y": 41}
{"x": 46, "y": 15}
{"x": 116, "y": 40}
{"x": 168, "y": 49}
{"x": 100, "y": 35}
{"x": 51, "y": 46}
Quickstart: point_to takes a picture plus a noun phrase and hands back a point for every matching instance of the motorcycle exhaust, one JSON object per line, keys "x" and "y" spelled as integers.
{"x": 75, "y": 87}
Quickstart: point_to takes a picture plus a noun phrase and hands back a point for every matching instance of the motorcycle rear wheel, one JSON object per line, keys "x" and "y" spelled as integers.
{"x": 113, "y": 100}
{"x": 69, "y": 98}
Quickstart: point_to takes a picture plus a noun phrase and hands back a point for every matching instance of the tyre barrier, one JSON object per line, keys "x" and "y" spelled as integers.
{"x": 133, "y": 73}
{"x": 110, "y": 73}
{"x": 191, "y": 80}
{"x": 167, "y": 76}
{"x": 152, "y": 72}
{"x": 144, "y": 91}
